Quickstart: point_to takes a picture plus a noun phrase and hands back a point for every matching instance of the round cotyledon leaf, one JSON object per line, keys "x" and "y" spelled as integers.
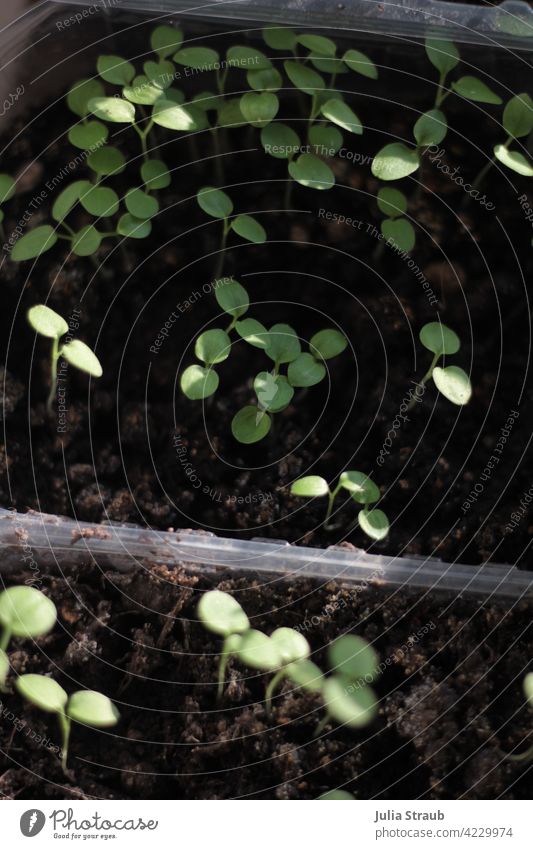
{"x": 89, "y": 707}
{"x": 43, "y": 692}
{"x": 453, "y": 383}
{"x": 198, "y": 382}
{"x": 26, "y": 612}
{"x": 222, "y": 614}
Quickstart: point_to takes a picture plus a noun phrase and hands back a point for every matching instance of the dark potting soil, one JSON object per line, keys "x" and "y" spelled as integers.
{"x": 450, "y": 696}
{"x": 135, "y": 450}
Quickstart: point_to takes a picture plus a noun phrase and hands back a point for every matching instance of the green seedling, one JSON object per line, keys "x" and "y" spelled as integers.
{"x": 527, "y": 756}
{"x": 87, "y": 707}
{"x": 217, "y": 204}
{"x": 24, "y": 612}
{"x": 396, "y": 229}
{"x": 347, "y": 694}
{"x": 294, "y": 651}
{"x": 46, "y": 322}
{"x": 517, "y": 122}
{"x": 372, "y": 521}
{"x": 221, "y": 614}
{"x": 336, "y": 796}
{"x": 451, "y": 381}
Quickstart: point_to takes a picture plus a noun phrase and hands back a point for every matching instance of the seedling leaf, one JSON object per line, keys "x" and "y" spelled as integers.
{"x": 34, "y": 243}
{"x": 291, "y": 645}
{"x": 86, "y": 241}
{"x": 232, "y": 297}
{"x": 514, "y": 160}
{"x": 7, "y": 187}
{"x": 258, "y": 651}
{"x": 310, "y": 171}
{"x": 274, "y": 392}
{"x": 259, "y": 109}
{"x": 101, "y": 201}
{"x": 253, "y": 332}
{"x": 279, "y": 38}
{"x": 155, "y": 174}
{"x": 4, "y": 668}
{"x": 395, "y": 161}
{"x": 453, "y": 383}
{"x": 244, "y": 56}
{"x": 249, "y": 228}
{"x": 107, "y": 161}
{"x": 303, "y": 77}
{"x": 442, "y": 54}
{"x": 113, "y": 109}
{"x": 360, "y": 487}
{"x": 78, "y": 354}
{"x": 170, "y": 115}
{"x": 340, "y": 113}
{"x": 474, "y": 89}
{"x": 142, "y": 91}
{"x": 311, "y": 486}
{"x": 318, "y": 44}
{"x": 374, "y": 523}
{"x": 91, "y": 708}
{"x": 355, "y": 709}
{"x": 133, "y": 228}
{"x": 81, "y": 93}
{"x": 431, "y": 128}
{"x": 327, "y": 344}
{"x": 269, "y": 79}
{"x": 88, "y": 136}
{"x": 283, "y": 344}
{"x": 439, "y": 339}
{"x": 336, "y": 796}
{"x": 43, "y": 692}
{"x": 198, "y": 382}
{"x": 360, "y": 63}
{"x": 518, "y": 116}
{"x": 528, "y": 687}
{"x": 305, "y": 371}
{"x": 250, "y": 425}
{"x": 215, "y": 202}
{"x": 68, "y": 198}
{"x": 305, "y": 674}
{"x": 115, "y": 69}
{"x": 400, "y": 233}
{"x": 26, "y": 612}
{"x": 47, "y": 322}
{"x": 326, "y": 139}
{"x": 352, "y": 658}
{"x": 140, "y": 204}
{"x": 199, "y": 58}
{"x": 280, "y": 141}
{"x": 391, "y": 202}
{"x": 222, "y": 614}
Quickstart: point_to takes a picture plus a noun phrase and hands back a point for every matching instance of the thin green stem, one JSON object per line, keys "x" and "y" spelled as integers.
{"x": 53, "y": 374}
{"x": 523, "y": 757}
{"x": 424, "y": 380}
{"x": 322, "y": 724}
{"x": 220, "y": 264}
{"x": 269, "y": 692}
{"x": 488, "y": 165}
{"x": 224, "y": 659}
{"x": 441, "y": 94}
{"x": 65, "y": 724}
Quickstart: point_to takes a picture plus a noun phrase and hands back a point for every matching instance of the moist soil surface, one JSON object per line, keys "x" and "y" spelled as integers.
{"x": 132, "y": 449}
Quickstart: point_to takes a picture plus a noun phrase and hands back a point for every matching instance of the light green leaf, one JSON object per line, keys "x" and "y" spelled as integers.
{"x": 453, "y": 383}
{"x": 326, "y": 140}
{"x": 245, "y": 57}
{"x": 79, "y": 355}
{"x": 250, "y": 425}
{"x": 305, "y": 674}
{"x": 107, "y": 161}
{"x": 431, "y": 128}
{"x": 142, "y": 91}
{"x": 199, "y": 58}
{"x": 280, "y": 141}
{"x": 88, "y": 136}
{"x": 213, "y": 346}
{"x": 395, "y": 161}
{"x": 115, "y": 69}
{"x": 68, "y": 198}
{"x": 161, "y": 74}
{"x": 361, "y": 488}
{"x": 253, "y": 332}
{"x": 311, "y": 172}
{"x": 4, "y": 668}
{"x": 34, "y": 243}
{"x": 399, "y": 232}
{"x": 442, "y": 54}
{"x": 336, "y": 796}
{"x": 258, "y": 651}
{"x": 101, "y": 201}
{"x": 328, "y": 343}
{"x": 274, "y": 392}
{"x": 43, "y": 692}
{"x": 305, "y": 371}
{"x": 86, "y": 241}
{"x": 355, "y": 707}
{"x": 360, "y": 63}
{"x": 259, "y": 109}
{"x": 25, "y": 611}
{"x": 269, "y": 79}
{"x": 232, "y": 297}
{"x": 318, "y": 44}
{"x": 391, "y": 202}
{"x": 214, "y": 202}
{"x": 170, "y": 115}
{"x": 374, "y": 523}
{"x": 291, "y": 645}
{"x": 140, "y": 204}
{"x": 113, "y": 109}
{"x": 340, "y": 113}
{"x": 91, "y": 708}
{"x": 518, "y": 116}
{"x": 133, "y": 228}
{"x": 514, "y": 160}
{"x": 222, "y": 614}
{"x": 230, "y": 115}
{"x": 164, "y": 40}
{"x": 283, "y": 344}
{"x": 311, "y": 486}
{"x": 439, "y": 339}
{"x": 249, "y": 228}
{"x": 474, "y": 89}
{"x": 7, "y": 187}
{"x": 198, "y": 382}
{"x": 81, "y": 93}
{"x": 46, "y": 322}
{"x": 303, "y": 77}
{"x": 528, "y": 687}
{"x": 155, "y": 174}
{"x": 279, "y": 38}
{"x": 353, "y": 658}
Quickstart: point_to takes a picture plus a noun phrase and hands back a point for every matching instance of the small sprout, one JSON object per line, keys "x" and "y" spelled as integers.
{"x": 259, "y": 108}
{"x": 442, "y": 54}
{"x": 395, "y": 161}
{"x": 46, "y": 322}
{"x": 213, "y": 347}
{"x": 251, "y": 424}
{"x": 475, "y": 89}
{"x": 274, "y": 392}
{"x": 283, "y": 345}
{"x": 87, "y": 707}
{"x": 339, "y": 113}
{"x": 327, "y": 344}
{"x": 360, "y": 63}
{"x": 293, "y": 649}
{"x": 451, "y": 381}
{"x": 4, "y": 670}
{"x": 305, "y": 371}
{"x": 34, "y": 243}
{"x": 232, "y": 298}
{"x": 396, "y": 229}
{"x": 115, "y": 69}
{"x": 517, "y": 122}
{"x": 431, "y": 128}
{"x": 363, "y": 491}
{"x": 311, "y": 172}
{"x": 25, "y": 612}
{"x": 258, "y": 651}
{"x": 217, "y": 204}
{"x": 221, "y": 614}
{"x": 347, "y": 695}
{"x": 164, "y": 40}
{"x": 528, "y": 687}
{"x": 198, "y": 383}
